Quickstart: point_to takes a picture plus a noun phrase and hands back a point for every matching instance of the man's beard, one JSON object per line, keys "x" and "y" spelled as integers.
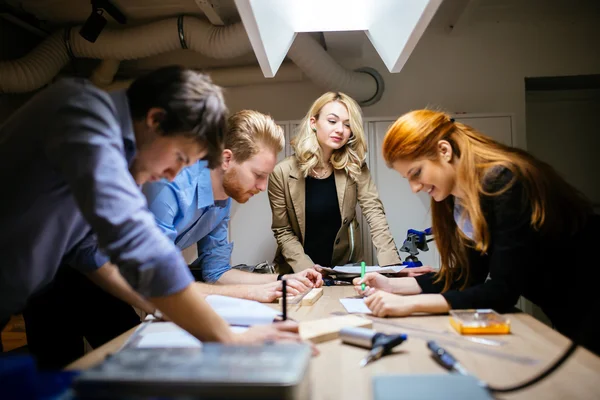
{"x": 233, "y": 188}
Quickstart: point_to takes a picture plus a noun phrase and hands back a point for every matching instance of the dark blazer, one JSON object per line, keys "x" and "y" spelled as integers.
{"x": 559, "y": 275}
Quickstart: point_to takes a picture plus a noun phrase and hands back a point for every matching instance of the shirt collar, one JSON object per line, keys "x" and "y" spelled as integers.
{"x": 119, "y": 98}
{"x": 204, "y": 186}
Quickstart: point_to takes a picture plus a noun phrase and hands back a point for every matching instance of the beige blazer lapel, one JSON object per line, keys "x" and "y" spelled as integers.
{"x": 340, "y": 186}
{"x": 297, "y": 185}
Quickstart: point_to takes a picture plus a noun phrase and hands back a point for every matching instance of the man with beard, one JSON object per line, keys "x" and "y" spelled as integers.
{"x": 195, "y": 209}
{"x": 73, "y": 158}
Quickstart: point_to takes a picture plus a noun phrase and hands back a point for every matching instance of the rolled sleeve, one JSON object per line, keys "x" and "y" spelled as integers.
{"x": 214, "y": 253}
{"x": 86, "y": 146}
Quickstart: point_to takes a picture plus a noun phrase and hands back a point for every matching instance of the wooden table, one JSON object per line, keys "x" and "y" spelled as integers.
{"x": 335, "y": 373}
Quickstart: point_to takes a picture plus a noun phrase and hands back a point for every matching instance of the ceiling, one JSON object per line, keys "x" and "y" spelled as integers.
{"x": 54, "y": 14}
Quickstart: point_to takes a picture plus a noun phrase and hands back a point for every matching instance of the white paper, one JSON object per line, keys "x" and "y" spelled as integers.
{"x": 168, "y": 339}
{"x": 169, "y": 335}
{"x": 239, "y": 329}
{"x": 354, "y": 306}
{"x": 354, "y": 269}
{"x": 240, "y": 311}
{"x": 165, "y": 334}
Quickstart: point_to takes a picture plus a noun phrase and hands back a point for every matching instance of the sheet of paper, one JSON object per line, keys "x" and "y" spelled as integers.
{"x": 355, "y": 306}
{"x": 168, "y": 339}
{"x": 242, "y": 312}
{"x": 165, "y": 334}
{"x": 239, "y": 329}
{"x": 354, "y": 270}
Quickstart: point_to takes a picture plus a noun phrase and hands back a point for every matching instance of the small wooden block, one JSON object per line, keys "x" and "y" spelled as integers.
{"x": 323, "y": 330}
{"x": 312, "y": 297}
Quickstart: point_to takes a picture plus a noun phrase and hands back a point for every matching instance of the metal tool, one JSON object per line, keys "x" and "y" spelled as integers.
{"x": 479, "y": 340}
{"x": 445, "y": 359}
{"x": 379, "y": 343}
{"x": 415, "y": 241}
{"x": 460, "y": 342}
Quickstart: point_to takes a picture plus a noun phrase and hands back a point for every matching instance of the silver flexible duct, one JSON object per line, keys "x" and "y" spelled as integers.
{"x": 43, "y": 63}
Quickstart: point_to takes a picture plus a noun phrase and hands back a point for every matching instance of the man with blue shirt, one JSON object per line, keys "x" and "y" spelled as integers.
{"x": 194, "y": 209}
{"x": 74, "y": 157}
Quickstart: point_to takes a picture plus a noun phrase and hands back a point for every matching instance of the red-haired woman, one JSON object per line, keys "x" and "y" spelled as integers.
{"x": 506, "y": 225}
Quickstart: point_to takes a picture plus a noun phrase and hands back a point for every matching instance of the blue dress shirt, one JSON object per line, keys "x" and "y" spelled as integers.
{"x": 186, "y": 212}
{"x": 64, "y": 160}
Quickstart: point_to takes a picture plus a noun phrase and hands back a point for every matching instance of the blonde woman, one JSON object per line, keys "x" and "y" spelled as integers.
{"x": 313, "y": 193}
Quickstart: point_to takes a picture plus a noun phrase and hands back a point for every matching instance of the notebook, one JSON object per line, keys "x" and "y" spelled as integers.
{"x": 428, "y": 387}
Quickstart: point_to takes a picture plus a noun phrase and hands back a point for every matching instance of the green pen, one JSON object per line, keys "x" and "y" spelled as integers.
{"x": 363, "y": 269}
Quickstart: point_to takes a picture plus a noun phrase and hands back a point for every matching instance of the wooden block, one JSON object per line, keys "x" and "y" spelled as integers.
{"x": 299, "y": 299}
{"x": 323, "y": 330}
{"x": 312, "y": 297}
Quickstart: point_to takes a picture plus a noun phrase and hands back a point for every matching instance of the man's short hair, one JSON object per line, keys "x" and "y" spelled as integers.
{"x": 247, "y": 130}
{"x": 194, "y": 106}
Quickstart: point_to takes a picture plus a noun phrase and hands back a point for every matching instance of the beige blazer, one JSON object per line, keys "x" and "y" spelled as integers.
{"x": 287, "y": 199}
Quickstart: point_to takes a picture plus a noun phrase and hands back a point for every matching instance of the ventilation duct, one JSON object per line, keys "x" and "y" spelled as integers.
{"x": 43, "y": 63}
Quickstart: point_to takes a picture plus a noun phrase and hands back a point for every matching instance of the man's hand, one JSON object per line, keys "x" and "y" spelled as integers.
{"x": 269, "y": 292}
{"x": 372, "y": 281}
{"x": 320, "y": 270}
{"x": 308, "y": 277}
{"x": 286, "y": 331}
{"x": 383, "y": 304}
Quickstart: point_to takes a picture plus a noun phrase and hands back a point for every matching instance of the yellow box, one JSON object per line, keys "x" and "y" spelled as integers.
{"x": 481, "y": 321}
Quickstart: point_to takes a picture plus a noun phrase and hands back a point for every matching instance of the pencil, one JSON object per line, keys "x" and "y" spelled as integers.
{"x": 284, "y": 299}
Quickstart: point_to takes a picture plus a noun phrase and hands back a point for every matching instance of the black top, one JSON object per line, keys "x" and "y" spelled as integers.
{"x": 323, "y": 219}
{"x": 559, "y": 275}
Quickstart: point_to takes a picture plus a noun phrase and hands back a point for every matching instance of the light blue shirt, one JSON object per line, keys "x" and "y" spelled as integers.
{"x": 64, "y": 162}
{"x": 185, "y": 210}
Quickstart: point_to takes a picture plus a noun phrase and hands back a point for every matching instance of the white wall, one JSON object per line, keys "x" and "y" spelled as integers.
{"x": 480, "y": 68}
{"x": 563, "y": 131}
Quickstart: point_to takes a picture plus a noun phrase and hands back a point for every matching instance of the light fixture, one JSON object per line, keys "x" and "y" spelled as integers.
{"x": 96, "y": 22}
{"x": 393, "y": 26}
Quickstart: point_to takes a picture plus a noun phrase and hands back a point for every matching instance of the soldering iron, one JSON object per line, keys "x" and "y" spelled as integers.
{"x": 379, "y": 343}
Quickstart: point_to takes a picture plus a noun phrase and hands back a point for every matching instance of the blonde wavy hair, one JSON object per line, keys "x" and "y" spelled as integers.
{"x": 349, "y": 157}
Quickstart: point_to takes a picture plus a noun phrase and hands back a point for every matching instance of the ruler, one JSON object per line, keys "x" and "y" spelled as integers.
{"x": 479, "y": 340}
{"x": 458, "y": 341}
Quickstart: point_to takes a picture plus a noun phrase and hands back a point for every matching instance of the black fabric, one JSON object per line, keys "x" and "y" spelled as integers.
{"x": 72, "y": 308}
{"x": 558, "y": 275}
{"x": 3, "y": 324}
{"x": 323, "y": 219}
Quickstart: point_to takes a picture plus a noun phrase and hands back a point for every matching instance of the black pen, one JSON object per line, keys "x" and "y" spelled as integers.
{"x": 446, "y": 359}
{"x": 284, "y": 299}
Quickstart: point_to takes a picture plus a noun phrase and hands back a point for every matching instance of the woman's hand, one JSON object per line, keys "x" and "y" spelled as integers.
{"x": 383, "y": 304}
{"x": 372, "y": 281}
